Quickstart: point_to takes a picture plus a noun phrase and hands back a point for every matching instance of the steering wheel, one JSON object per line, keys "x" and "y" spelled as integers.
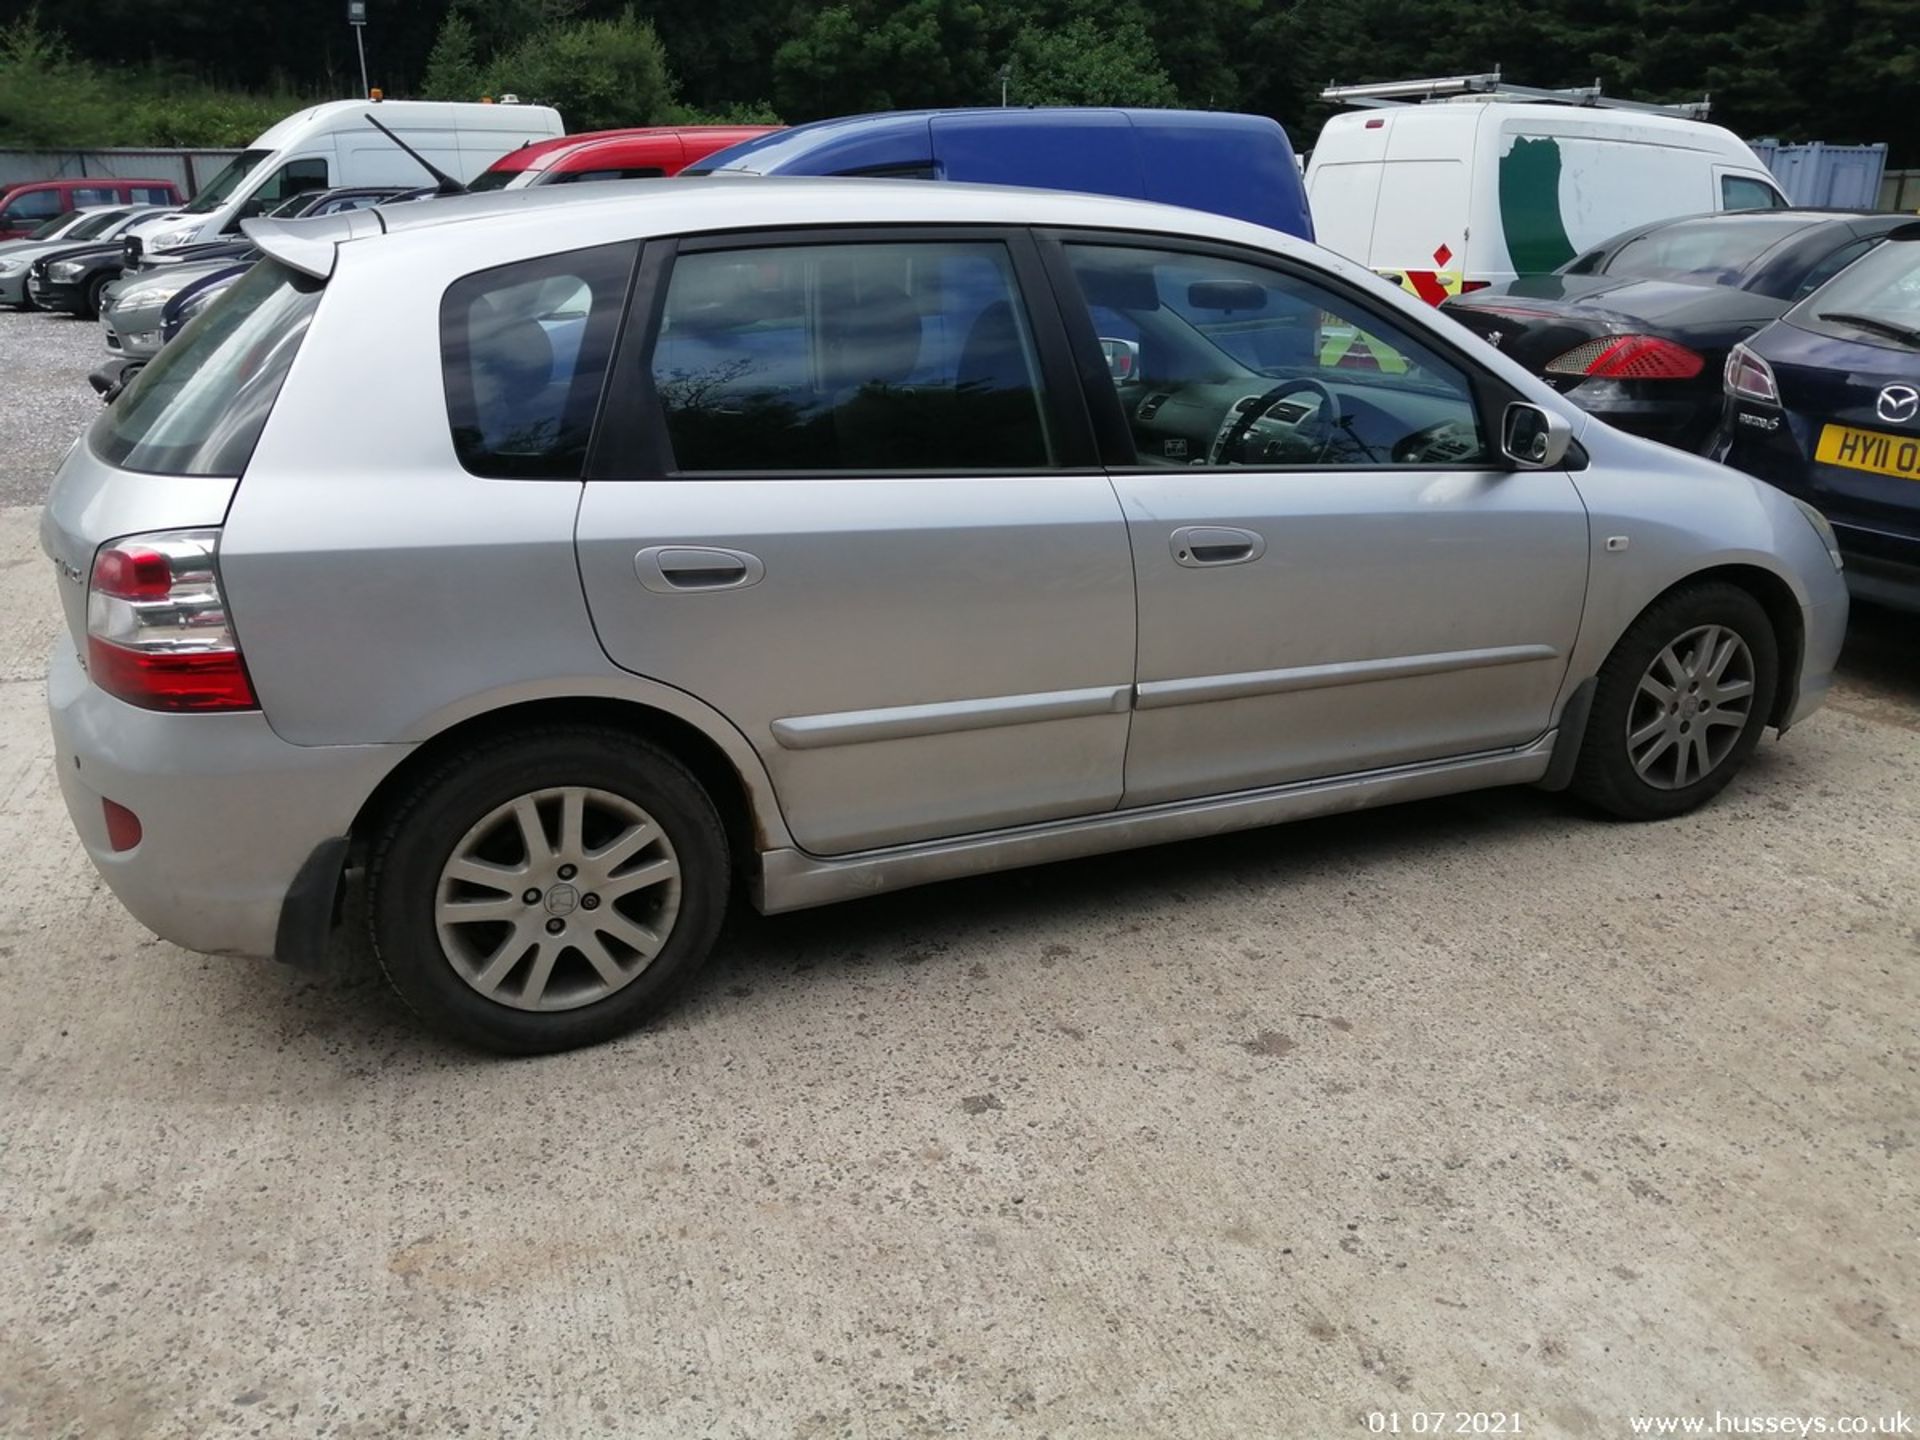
{"x": 1329, "y": 422}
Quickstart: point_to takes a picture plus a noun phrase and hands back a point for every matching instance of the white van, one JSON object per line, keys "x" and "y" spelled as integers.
{"x": 332, "y": 144}
{"x": 1458, "y": 194}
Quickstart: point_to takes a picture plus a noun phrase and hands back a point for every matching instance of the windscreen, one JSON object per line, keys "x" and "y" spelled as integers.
{"x": 214, "y": 194}
{"x": 1714, "y": 252}
{"x": 1872, "y": 300}
{"x": 199, "y": 408}
{"x": 95, "y": 224}
{"x": 55, "y": 226}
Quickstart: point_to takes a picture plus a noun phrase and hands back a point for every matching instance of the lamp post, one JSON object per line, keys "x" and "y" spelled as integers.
{"x": 357, "y": 18}
{"x": 1006, "y": 74}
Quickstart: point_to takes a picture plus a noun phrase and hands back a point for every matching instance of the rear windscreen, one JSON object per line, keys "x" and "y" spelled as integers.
{"x": 1717, "y": 251}
{"x": 1875, "y": 301}
{"x": 199, "y": 407}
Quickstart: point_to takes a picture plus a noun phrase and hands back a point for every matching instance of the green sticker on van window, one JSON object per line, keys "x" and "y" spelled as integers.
{"x": 1530, "y": 207}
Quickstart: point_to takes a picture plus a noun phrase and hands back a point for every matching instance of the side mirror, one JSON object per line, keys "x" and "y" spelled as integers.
{"x": 1532, "y": 438}
{"x": 1123, "y": 357}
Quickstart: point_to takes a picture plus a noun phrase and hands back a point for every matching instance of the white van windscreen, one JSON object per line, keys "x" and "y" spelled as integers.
{"x": 215, "y": 192}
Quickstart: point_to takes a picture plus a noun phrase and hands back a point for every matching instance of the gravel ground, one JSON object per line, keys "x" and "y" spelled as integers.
{"x": 1472, "y": 1106}
{"x": 44, "y": 363}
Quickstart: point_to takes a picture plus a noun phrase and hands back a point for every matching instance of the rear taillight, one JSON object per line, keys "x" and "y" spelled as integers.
{"x": 1748, "y": 377}
{"x": 1629, "y": 357}
{"x": 158, "y": 635}
{"x": 1467, "y": 287}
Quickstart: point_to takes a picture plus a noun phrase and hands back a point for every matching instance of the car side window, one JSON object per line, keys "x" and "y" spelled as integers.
{"x": 296, "y": 177}
{"x": 1221, "y": 362}
{"x": 94, "y": 195}
{"x": 37, "y": 205}
{"x": 850, "y": 357}
{"x": 581, "y": 177}
{"x": 524, "y": 350}
{"x": 1740, "y": 192}
{"x": 152, "y": 195}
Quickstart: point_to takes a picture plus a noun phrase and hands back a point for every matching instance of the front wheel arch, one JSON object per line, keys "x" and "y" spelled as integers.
{"x": 1777, "y": 598}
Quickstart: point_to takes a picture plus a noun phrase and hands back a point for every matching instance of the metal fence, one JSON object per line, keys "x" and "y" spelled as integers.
{"x": 188, "y": 169}
{"x": 1900, "y": 190}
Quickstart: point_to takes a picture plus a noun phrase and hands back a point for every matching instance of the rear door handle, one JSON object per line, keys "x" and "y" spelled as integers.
{"x": 1199, "y": 546}
{"x": 676, "y": 569}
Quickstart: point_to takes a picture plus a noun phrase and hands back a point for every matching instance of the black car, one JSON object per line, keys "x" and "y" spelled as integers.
{"x": 1825, "y": 404}
{"x": 1637, "y": 329}
{"x": 75, "y": 280}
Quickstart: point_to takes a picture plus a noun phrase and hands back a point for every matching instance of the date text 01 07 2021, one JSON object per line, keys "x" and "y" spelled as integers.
{"x": 1443, "y": 1422}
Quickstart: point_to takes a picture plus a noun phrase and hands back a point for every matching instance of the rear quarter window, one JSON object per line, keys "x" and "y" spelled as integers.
{"x": 199, "y": 407}
{"x": 524, "y": 350}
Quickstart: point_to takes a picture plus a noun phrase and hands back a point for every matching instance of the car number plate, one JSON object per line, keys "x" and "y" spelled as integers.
{"x": 1869, "y": 450}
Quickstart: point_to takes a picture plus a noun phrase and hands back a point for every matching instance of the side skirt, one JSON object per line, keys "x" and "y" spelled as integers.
{"x": 794, "y": 880}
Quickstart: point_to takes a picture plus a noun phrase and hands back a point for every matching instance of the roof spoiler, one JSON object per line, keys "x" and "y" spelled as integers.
{"x": 310, "y": 246}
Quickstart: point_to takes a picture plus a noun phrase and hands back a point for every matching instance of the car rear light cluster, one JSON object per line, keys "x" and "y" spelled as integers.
{"x": 157, "y": 629}
{"x": 1629, "y": 357}
{"x": 1748, "y": 377}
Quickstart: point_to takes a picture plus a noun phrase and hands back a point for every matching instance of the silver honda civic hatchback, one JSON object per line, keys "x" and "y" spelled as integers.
{"x": 547, "y": 568}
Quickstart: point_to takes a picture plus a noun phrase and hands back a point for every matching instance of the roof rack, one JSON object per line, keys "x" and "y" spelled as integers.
{"x": 1492, "y": 87}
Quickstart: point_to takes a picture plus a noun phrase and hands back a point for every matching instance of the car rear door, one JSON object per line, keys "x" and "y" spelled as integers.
{"x": 1373, "y": 593}
{"x": 845, "y": 493}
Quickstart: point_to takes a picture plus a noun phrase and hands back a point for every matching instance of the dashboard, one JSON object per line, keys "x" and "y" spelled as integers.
{"x": 1309, "y": 420}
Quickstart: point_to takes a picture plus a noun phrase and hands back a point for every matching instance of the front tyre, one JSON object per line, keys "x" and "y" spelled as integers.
{"x": 1680, "y": 703}
{"x": 547, "y": 890}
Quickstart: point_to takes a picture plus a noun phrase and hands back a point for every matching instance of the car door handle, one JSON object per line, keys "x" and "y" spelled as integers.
{"x": 1198, "y": 546}
{"x": 676, "y": 569}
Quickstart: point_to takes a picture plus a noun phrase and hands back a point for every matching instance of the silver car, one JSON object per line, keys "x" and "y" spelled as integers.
{"x": 95, "y": 224}
{"x": 558, "y": 564}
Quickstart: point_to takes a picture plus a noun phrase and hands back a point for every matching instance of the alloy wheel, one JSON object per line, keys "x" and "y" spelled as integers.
{"x": 557, "y": 899}
{"x": 1691, "y": 707}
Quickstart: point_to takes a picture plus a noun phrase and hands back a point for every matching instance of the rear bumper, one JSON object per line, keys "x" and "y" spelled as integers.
{"x": 13, "y": 289}
{"x": 1685, "y": 422}
{"x": 231, "y": 816}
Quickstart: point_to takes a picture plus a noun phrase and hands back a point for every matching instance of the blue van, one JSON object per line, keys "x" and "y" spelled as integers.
{"x": 1237, "y": 165}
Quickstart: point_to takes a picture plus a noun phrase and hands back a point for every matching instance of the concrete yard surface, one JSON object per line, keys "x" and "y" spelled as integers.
{"x": 1476, "y": 1105}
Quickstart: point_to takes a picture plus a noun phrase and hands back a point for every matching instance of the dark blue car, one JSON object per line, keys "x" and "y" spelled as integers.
{"x": 1237, "y": 165}
{"x": 1825, "y": 404}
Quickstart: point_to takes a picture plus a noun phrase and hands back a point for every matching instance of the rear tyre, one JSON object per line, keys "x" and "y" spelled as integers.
{"x": 547, "y": 890}
{"x": 1680, "y": 703}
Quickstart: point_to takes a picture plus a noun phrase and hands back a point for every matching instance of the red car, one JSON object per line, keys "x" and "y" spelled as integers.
{"x": 612, "y": 155}
{"x": 25, "y": 207}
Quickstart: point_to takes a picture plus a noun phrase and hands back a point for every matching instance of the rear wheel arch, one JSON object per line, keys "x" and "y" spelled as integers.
{"x": 733, "y": 795}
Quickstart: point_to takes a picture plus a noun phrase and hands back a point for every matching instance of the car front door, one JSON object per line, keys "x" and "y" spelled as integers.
{"x": 1334, "y": 573}
{"x": 838, "y": 497}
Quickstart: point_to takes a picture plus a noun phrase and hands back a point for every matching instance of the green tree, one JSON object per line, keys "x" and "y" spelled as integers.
{"x": 46, "y": 96}
{"x": 600, "y": 74}
{"x": 1080, "y": 63}
{"x": 874, "y": 55}
{"x": 453, "y": 65}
